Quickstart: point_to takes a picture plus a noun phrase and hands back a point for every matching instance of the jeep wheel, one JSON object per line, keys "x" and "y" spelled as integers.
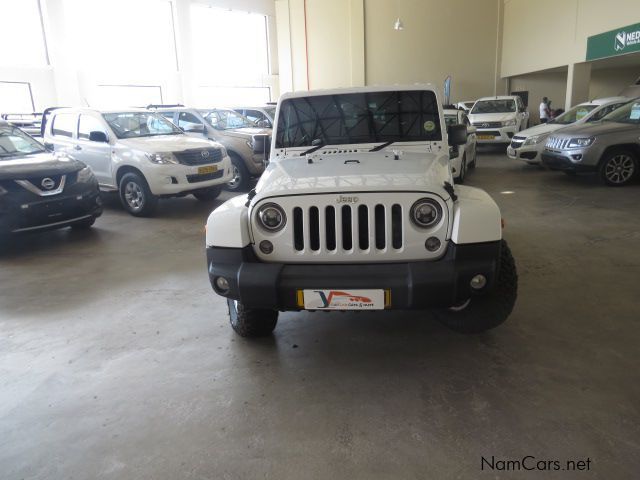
{"x": 208, "y": 194}
{"x": 135, "y": 195}
{"x": 251, "y": 322}
{"x": 618, "y": 167}
{"x": 479, "y": 314}
{"x": 240, "y": 179}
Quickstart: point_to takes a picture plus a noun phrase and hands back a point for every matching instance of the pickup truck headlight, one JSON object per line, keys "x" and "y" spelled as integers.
{"x": 162, "y": 158}
{"x": 426, "y": 213}
{"x": 508, "y": 123}
{"x": 85, "y": 175}
{"x": 580, "y": 142}
{"x": 271, "y": 217}
{"x": 533, "y": 139}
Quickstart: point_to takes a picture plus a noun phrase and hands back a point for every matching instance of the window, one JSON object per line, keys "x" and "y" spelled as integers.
{"x": 254, "y": 115}
{"x": 494, "y": 106}
{"x": 140, "y": 124}
{"x": 226, "y": 119}
{"x": 188, "y": 121}
{"x": 64, "y": 124}
{"x": 167, "y": 115}
{"x": 16, "y": 97}
{"x": 87, "y": 125}
{"x": 21, "y": 34}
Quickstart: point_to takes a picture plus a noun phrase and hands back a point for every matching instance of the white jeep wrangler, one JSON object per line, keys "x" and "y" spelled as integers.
{"x": 357, "y": 211}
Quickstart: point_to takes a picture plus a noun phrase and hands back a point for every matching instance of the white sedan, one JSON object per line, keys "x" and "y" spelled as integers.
{"x": 462, "y": 158}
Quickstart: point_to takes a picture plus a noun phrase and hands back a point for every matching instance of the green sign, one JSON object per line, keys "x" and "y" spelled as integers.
{"x": 614, "y": 42}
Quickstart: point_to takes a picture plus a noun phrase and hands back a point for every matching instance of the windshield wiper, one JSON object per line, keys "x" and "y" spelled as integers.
{"x": 377, "y": 148}
{"x": 313, "y": 149}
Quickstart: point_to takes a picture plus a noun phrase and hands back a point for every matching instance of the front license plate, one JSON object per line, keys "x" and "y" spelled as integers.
{"x": 486, "y": 137}
{"x": 207, "y": 169}
{"x": 344, "y": 299}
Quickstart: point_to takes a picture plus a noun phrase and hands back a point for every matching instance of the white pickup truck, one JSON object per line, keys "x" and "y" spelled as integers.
{"x": 357, "y": 210}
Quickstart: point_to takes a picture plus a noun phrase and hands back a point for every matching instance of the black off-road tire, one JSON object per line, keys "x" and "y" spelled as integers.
{"x": 240, "y": 172}
{"x": 149, "y": 202}
{"x": 621, "y": 158}
{"x": 487, "y": 311}
{"x": 251, "y": 322}
{"x": 208, "y": 194}
{"x": 85, "y": 224}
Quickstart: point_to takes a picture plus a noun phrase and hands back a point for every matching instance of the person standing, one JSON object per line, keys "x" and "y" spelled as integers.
{"x": 545, "y": 112}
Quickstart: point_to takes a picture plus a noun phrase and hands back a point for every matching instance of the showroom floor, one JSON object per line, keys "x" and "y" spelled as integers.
{"x": 117, "y": 362}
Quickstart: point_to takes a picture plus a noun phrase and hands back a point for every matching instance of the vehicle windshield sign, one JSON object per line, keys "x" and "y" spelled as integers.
{"x": 355, "y": 118}
{"x": 574, "y": 114}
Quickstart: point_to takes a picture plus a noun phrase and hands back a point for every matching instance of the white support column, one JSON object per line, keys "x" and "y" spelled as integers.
{"x": 357, "y": 47}
{"x": 182, "y": 25}
{"x": 578, "y": 80}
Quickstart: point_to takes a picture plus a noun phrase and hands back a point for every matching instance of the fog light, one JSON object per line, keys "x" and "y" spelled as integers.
{"x": 266, "y": 247}
{"x": 222, "y": 284}
{"x": 478, "y": 282}
{"x": 577, "y": 157}
{"x": 432, "y": 244}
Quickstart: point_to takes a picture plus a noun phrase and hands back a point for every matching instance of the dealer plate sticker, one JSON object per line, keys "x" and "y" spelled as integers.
{"x": 207, "y": 169}
{"x": 343, "y": 299}
{"x": 486, "y": 137}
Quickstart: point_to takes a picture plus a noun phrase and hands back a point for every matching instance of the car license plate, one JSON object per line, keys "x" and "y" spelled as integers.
{"x": 207, "y": 169}
{"x": 486, "y": 137}
{"x": 343, "y": 299}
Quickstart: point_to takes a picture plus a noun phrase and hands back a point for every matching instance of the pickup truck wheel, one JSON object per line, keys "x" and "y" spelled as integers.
{"x": 208, "y": 194}
{"x": 618, "y": 167}
{"x": 84, "y": 224}
{"x": 251, "y": 322}
{"x": 482, "y": 313}
{"x": 135, "y": 195}
{"x": 240, "y": 179}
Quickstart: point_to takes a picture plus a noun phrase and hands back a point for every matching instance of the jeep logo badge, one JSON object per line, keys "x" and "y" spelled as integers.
{"x": 345, "y": 199}
{"x": 205, "y": 154}
{"x": 47, "y": 183}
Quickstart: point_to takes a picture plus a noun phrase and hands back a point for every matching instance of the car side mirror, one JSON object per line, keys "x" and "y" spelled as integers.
{"x": 98, "y": 137}
{"x": 457, "y": 134}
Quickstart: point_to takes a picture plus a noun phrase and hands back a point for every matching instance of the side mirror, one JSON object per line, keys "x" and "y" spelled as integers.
{"x": 196, "y": 128}
{"x": 98, "y": 137}
{"x": 457, "y": 135}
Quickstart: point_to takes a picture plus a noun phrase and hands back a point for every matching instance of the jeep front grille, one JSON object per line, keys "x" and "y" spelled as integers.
{"x": 348, "y": 227}
{"x": 557, "y": 143}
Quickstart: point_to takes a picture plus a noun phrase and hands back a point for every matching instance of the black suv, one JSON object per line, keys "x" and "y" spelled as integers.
{"x": 41, "y": 190}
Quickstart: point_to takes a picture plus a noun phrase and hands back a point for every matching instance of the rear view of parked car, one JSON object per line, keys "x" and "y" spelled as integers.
{"x": 246, "y": 143}
{"x": 139, "y": 154}
{"x": 529, "y": 144}
{"x": 610, "y": 147}
{"x": 40, "y": 190}
{"x": 498, "y": 119}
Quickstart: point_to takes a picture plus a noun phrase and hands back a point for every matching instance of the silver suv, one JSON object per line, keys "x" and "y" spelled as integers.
{"x": 246, "y": 143}
{"x": 610, "y": 147}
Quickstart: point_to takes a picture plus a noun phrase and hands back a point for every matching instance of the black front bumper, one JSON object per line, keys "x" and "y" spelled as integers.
{"x": 555, "y": 161}
{"x": 412, "y": 285}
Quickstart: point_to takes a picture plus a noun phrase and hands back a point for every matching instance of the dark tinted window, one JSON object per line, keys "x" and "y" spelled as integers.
{"x": 87, "y": 125}
{"x": 64, "y": 124}
{"x": 367, "y": 117}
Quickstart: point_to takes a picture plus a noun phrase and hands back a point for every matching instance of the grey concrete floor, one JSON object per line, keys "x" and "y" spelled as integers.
{"x": 117, "y": 361}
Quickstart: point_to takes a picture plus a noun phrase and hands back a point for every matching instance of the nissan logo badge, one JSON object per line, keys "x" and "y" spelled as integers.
{"x": 205, "y": 154}
{"x": 47, "y": 183}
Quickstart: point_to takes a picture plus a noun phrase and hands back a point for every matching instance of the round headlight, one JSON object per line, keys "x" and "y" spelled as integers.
{"x": 271, "y": 217}
{"x": 426, "y": 213}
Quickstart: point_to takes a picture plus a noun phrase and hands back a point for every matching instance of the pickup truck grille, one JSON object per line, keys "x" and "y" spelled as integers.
{"x": 199, "y": 157}
{"x": 488, "y": 124}
{"x": 348, "y": 227}
{"x": 353, "y": 227}
{"x": 557, "y": 143}
{"x": 516, "y": 142}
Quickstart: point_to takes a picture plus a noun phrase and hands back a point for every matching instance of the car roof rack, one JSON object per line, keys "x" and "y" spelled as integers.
{"x": 168, "y": 105}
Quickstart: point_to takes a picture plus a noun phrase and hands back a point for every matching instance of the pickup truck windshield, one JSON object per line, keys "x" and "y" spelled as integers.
{"x": 140, "y": 124}
{"x": 494, "y": 106}
{"x": 629, "y": 113}
{"x": 573, "y": 115}
{"x": 15, "y": 143}
{"x": 353, "y": 118}
{"x": 227, "y": 120}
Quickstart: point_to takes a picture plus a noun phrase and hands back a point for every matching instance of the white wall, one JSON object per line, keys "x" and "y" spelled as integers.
{"x": 609, "y": 82}
{"x": 552, "y": 85}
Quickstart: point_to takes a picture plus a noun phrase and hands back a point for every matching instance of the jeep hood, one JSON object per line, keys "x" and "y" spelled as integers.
{"x": 491, "y": 117}
{"x": 355, "y": 172}
{"x": 598, "y": 128}
{"x": 165, "y": 143}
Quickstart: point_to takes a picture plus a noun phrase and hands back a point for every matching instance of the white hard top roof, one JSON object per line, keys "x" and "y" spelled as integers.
{"x": 339, "y": 91}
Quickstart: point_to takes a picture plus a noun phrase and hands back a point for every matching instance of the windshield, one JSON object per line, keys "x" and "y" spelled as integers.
{"x": 351, "y": 118}
{"x": 140, "y": 124}
{"x": 573, "y": 115}
{"x": 227, "y": 119}
{"x": 629, "y": 113}
{"x": 494, "y": 106}
{"x": 15, "y": 143}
